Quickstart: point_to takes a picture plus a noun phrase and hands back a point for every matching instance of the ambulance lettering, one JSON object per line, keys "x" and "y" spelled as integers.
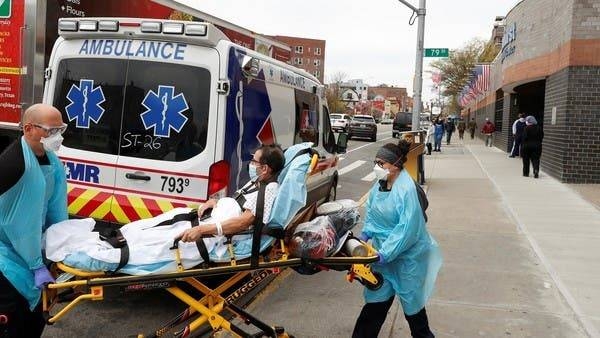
{"x": 147, "y": 49}
{"x": 82, "y": 172}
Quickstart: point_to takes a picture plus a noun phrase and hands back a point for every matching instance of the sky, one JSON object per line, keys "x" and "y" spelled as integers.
{"x": 366, "y": 39}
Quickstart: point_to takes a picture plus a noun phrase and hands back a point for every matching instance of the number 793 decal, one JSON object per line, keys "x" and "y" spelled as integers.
{"x": 172, "y": 184}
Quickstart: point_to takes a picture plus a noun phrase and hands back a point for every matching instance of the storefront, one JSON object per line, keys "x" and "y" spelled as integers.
{"x": 549, "y": 67}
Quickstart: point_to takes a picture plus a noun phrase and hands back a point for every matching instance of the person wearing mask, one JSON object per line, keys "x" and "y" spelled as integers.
{"x": 33, "y": 196}
{"x": 517, "y": 130}
{"x": 439, "y": 133}
{"x": 488, "y": 131}
{"x": 430, "y": 138}
{"x": 472, "y": 127}
{"x": 264, "y": 167}
{"x": 531, "y": 149}
{"x": 409, "y": 257}
{"x": 450, "y": 128}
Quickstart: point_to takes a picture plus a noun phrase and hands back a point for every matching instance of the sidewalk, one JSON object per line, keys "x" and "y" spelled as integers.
{"x": 521, "y": 259}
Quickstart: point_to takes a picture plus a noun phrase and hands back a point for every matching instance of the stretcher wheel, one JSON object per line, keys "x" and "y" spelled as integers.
{"x": 377, "y": 285}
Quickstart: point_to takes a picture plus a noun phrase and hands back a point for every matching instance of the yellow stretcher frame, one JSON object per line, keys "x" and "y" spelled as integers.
{"x": 88, "y": 286}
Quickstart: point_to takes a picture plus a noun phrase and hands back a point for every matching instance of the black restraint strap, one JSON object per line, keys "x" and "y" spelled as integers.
{"x": 201, "y": 245}
{"x": 115, "y": 238}
{"x": 258, "y": 226}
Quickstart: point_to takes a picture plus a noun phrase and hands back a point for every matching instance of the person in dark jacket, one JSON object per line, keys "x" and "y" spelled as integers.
{"x": 531, "y": 148}
{"x": 450, "y": 128}
{"x": 517, "y": 130}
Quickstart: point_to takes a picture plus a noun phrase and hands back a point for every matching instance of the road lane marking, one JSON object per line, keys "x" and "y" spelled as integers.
{"x": 351, "y": 167}
{"x": 369, "y": 178}
{"x": 368, "y": 144}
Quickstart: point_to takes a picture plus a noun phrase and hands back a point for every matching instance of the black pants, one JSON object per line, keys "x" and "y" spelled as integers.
{"x": 516, "y": 149}
{"x": 472, "y": 131}
{"x": 16, "y": 320}
{"x": 448, "y": 137}
{"x": 531, "y": 155}
{"x": 429, "y": 146}
{"x": 373, "y": 316}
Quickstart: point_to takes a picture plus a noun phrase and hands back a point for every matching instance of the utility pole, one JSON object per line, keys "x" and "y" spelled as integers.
{"x": 418, "y": 81}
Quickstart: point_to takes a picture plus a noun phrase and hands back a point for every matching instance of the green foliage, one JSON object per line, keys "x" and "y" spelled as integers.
{"x": 455, "y": 70}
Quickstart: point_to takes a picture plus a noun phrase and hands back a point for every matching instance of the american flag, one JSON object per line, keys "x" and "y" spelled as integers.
{"x": 482, "y": 83}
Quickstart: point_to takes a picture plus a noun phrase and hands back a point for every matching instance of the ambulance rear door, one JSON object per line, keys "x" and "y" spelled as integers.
{"x": 89, "y": 93}
{"x": 169, "y": 127}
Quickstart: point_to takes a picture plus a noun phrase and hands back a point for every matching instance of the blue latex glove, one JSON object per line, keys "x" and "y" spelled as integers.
{"x": 363, "y": 237}
{"x": 42, "y": 277}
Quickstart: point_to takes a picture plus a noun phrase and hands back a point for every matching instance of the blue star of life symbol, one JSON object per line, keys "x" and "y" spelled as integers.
{"x": 164, "y": 111}
{"x": 85, "y": 103}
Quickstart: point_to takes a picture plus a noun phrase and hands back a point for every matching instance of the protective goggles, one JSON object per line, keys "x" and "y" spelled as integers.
{"x": 52, "y": 130}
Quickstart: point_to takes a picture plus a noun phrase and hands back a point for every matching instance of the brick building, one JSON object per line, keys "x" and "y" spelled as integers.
{"x": 308, "y": 54}
{"x": 549, "y": 67}
{"x": 398, "y": 95}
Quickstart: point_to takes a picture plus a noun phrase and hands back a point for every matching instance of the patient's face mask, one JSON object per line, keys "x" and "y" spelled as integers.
{"x": 52, "y": 143}
{"x": 253, "y": 171}
{"x": 380, "y": 173}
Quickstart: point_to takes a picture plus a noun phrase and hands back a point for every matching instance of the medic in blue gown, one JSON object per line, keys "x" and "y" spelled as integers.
{"x": 409, "y": 258}
{"x": 33, "y": 196}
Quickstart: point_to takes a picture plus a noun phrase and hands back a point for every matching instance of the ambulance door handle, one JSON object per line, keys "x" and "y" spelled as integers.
{"x": 134, "y": 176}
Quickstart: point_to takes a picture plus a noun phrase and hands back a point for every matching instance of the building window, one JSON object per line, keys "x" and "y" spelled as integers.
{"x": 317, "y": 62}
{"x": 298, "y": 61}
{"x": 318, "y": 51}
{"x": 299, "y": 49}
{"x": 317, "y": 73}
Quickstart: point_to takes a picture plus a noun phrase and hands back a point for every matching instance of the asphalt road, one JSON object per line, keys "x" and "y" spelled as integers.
{"x": 126, "y": 314}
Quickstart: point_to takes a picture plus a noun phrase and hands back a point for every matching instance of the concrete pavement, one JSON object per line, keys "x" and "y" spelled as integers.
{"x": 521, "y": 259}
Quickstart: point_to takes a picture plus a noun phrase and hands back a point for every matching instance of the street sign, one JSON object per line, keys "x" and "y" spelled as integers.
{"x": 436, "y": 52}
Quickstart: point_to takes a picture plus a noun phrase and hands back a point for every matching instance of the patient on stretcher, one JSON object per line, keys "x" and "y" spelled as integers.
{"x": 149, "y": 240}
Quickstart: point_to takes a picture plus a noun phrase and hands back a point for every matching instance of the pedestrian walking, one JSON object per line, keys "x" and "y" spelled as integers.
{"x": 461, "y": 129}
{"x": 488, "y": 131}
{"x": 430, "y": 138}
{"x": 33, "y": 196}
{"x": 450, "y": 128}
{"x": 439, "y": 133}
{"x": 472, "y": 127}
{"x": 409, "y": 258}
{"x": 517, "y": 130}
{"x": 531, "y": 149}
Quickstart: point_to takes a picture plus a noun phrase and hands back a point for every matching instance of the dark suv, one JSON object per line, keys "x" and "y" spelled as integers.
{"x": 402, "y": 122}
{"x": 363, "y": 126}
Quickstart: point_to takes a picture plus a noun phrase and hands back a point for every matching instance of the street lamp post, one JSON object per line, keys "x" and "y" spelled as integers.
{"x": 418, "y": 82}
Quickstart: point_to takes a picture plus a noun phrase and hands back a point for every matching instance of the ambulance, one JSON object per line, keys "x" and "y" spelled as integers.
{"x": 165, "y": 113}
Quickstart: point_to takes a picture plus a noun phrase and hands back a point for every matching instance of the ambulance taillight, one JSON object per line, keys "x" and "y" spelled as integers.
{"x": 218, "y": 179}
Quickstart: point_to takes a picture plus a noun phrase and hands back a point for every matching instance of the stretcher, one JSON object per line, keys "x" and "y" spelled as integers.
{"x": 75, "y": 286}
{"x": 217, "y": 305}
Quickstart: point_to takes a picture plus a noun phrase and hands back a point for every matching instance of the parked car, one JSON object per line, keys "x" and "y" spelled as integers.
{"x": 387, "y": 121}
{"x": 402, "y": 122}
{"x": 340, "y": 122}
{"x": 363, "y": 126}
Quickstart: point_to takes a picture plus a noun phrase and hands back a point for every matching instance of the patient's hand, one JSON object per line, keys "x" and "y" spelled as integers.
{"x": 191, "y": 235}
{"x": 210, "y": 204}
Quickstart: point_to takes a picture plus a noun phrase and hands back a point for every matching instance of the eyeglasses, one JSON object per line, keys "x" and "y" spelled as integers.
{"x": 255, "y": 162}
{"x": 52, "y": 130}
{"x": 379, "y": 163}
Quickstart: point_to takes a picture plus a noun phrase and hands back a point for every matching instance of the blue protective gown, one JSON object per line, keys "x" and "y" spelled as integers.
{"x": 37, "y": 200}
{"x": 412, "y": 257}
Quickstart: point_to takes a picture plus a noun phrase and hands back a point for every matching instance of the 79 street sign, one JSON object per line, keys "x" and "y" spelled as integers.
{"x": 436, "y": 52}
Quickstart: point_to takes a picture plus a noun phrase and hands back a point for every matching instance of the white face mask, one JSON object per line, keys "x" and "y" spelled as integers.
{"x": 52, "y": 143}
{"x": 380, "y": 173}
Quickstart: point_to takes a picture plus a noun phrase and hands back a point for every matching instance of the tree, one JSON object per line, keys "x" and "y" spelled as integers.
{"x": 456, "y": 69}
{"x": 333, "y": 93}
